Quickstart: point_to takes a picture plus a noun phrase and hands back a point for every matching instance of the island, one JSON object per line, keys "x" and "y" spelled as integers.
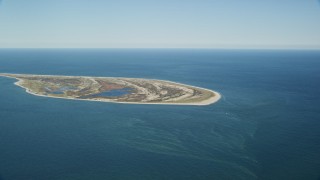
{"x": 115, "y": 89}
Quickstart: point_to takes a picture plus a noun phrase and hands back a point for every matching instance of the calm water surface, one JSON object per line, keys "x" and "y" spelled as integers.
{"x": 266, "y": 126}
{"x": 114, "y": 93}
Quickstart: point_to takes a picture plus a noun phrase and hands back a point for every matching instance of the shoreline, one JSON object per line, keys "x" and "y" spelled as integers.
{"x": 212, "y": 100}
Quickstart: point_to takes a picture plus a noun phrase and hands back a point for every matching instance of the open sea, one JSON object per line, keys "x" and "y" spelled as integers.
{"x": 266, "y": 125}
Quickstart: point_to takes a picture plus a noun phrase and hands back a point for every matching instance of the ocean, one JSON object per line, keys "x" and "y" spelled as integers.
{"x": 265, "y": 126}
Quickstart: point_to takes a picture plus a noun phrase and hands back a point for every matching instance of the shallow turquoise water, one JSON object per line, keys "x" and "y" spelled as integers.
{"x": 266, "y": 126}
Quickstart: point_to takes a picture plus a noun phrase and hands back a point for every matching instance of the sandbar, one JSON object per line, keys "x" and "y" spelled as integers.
{"x": 115, "y": 89}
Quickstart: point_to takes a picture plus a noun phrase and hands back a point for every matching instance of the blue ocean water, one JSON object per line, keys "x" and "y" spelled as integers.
{"x": 266, "y": 126}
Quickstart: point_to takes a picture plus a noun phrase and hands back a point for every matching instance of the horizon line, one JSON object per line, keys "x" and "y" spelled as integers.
{"x": 195, "y": 48}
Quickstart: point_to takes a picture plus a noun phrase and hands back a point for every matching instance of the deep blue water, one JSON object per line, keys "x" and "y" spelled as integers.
{"x": 266, "y": 126}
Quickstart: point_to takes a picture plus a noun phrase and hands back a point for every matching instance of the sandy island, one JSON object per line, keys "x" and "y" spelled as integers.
{"x": 114, "y": 89}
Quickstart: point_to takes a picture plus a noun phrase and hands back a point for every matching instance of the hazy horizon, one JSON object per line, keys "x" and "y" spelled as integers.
{"x": 167, "y": 24}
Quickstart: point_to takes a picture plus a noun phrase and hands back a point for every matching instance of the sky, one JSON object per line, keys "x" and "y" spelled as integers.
{"x": 160, "y": 24}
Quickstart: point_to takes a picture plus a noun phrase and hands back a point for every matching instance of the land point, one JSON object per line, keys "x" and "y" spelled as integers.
{"x": 115, "y": 89}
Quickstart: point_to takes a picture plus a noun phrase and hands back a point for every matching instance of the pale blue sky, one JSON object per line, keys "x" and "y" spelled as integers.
{"x": 160, "y": 24}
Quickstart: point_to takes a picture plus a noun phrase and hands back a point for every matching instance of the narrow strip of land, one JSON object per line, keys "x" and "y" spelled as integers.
{"x": 115, "y": 89}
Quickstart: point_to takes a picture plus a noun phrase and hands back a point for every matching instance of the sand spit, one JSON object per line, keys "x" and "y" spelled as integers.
{"x": 208, "y": 101}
